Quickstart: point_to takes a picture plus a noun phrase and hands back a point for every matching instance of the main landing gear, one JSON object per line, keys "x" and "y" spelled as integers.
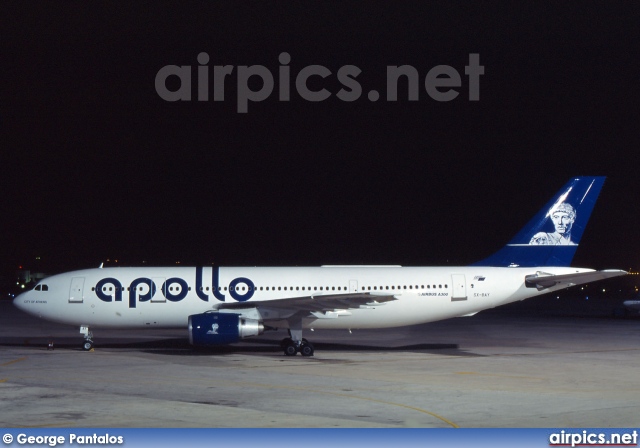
{"x": 292, "y": 347}
{"x": 295, "y": 343}
{"x": 88, "y": 338}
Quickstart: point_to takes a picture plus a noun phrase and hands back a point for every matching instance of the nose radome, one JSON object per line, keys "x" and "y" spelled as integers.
{"x": 18, "y": 302}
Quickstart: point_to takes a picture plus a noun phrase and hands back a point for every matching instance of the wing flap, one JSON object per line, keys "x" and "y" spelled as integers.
{"x": 319, "y": 306}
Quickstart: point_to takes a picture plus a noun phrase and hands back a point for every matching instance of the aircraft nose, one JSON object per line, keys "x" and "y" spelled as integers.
{"x": 19, "y": 301}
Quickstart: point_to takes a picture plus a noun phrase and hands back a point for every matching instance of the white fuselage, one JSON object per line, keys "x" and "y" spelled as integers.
{"x": 424, "y": 294}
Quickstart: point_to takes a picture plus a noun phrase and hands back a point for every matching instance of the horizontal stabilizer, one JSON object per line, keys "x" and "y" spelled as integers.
{"x": 542, "y": 280}
{"x": 635, "y": 304}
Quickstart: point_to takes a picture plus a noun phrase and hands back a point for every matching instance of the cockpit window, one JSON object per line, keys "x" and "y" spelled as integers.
{"x": 38, "y": 288}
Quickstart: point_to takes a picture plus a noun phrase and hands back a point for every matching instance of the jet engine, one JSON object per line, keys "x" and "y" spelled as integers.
{"x": 214, "y": 328}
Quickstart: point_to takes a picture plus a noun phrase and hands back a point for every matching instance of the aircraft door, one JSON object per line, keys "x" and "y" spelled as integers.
{"x": 459, "y": 290}
{"x": 353, "y": 285}
{"x": 76, "y": 290}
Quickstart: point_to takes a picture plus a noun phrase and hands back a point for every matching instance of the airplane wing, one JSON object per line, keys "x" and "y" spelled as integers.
{"x": 542, "y": 280}
{"x": 318, "y": 306}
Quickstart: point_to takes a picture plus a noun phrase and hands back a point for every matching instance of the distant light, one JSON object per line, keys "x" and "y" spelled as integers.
{"x": 37, "y": 258}
{"x": 603, "y": 290}
{"x": 22, "y": 286}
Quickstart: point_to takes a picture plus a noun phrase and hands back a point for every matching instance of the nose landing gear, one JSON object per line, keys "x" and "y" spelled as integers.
{"x": 88, "y": 338}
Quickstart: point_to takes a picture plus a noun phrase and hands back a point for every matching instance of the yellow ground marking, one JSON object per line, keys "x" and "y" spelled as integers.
{"x": 3, "y": 380}
{"x": 13, "y": 362}
{"x": 413, "y": 408}
{"x": 335, "y": 394}
{"x": 170, "y": 380}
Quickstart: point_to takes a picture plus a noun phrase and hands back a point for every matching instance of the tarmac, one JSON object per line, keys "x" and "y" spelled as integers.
{"x": 501, "y": 368}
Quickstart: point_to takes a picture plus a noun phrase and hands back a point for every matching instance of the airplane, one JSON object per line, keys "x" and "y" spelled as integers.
{"x": 222, "y": 305}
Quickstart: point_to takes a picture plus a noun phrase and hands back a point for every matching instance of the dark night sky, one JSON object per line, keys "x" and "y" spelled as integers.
{"x": 95, "y": 165}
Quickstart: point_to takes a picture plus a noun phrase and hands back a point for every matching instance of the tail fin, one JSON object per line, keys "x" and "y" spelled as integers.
{"x": 552, "y": 236}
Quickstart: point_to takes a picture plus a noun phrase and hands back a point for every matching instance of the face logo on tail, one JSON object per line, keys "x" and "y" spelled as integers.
{"x": 214, "y": 329}
{"x": 552, "y": 236}
{"x": 563, "y": 216}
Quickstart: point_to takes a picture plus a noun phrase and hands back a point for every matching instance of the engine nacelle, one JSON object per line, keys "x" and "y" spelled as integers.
{"x": 215, "y": 328}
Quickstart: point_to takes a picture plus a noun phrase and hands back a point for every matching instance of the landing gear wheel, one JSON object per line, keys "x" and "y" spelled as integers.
{"x": 290, "y": 349}
{"x": 87, "y": 345}
{"x": 285, "y": 342}
{"x": 306, "y": 349}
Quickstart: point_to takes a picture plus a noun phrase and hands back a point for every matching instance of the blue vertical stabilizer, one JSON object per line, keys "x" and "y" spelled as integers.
{"x": 552, "y": 236}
